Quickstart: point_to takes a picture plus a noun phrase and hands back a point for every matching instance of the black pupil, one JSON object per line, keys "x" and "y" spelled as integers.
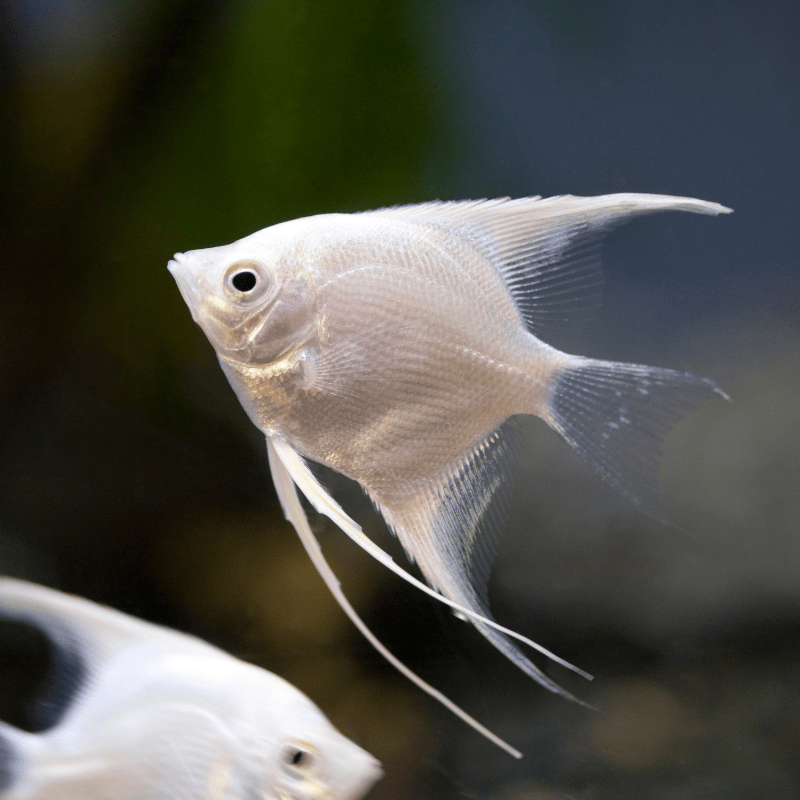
{"x": 244, "y": 281}
{"x": 297, "y": 758}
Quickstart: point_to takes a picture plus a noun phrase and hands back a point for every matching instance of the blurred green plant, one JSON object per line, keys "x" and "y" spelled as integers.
{"x": 197, "y": 125}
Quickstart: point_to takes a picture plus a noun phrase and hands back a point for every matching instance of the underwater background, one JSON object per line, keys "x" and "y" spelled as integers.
{"x": 130, "y": 475}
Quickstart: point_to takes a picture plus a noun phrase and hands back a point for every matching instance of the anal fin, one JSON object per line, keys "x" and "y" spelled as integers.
{"x": 294, "y": 512}
{"x": 293, "y": 463}
{"x": 451, "y": 527}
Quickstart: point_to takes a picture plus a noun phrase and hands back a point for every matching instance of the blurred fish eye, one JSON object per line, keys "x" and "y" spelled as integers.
{"x": 246, "y": 281}
{"x": 300, "y": 758}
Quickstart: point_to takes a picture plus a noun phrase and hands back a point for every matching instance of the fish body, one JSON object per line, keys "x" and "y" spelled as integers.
{"x": 158, "y": 715}
{"x": 395, "y": 345}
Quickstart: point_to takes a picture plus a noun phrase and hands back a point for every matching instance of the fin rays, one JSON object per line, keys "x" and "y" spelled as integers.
{"x": 451, "y": 530}
{"x": 465, "y": 522}
{"x": 324, "y": 504}
{"x": 295, "y": 514}
{"x": 550, "y": 246}
{"x": 615, "y": 416}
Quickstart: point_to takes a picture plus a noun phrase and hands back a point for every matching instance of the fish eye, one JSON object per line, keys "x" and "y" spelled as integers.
{"x": 246, "y": 281}
{"x": 300, "y": 758}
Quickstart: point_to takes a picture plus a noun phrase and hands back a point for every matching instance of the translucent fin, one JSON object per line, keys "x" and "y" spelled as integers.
{"x": 74, "y": 624}
{"x": 342, "y": 367}
{"x": 323, "y": 503}
{"x": 83, "y": 635}
{"x": 450, "y": 528}
{"x": 616, "y": 416}
{"x": 293, "y": 510}
{"x": 472, "y": 501}
{"x": 547, "y": 251}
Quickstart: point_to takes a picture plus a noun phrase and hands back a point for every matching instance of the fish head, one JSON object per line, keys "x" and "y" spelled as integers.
{"x": 330, "y": 768}
{"x": 253, "y": 299}
{"x": 302, "y": 756}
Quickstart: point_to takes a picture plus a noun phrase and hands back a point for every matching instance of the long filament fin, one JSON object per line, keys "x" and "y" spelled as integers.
{"x": 290, "y": 501}
{"x": 324, "y": 504}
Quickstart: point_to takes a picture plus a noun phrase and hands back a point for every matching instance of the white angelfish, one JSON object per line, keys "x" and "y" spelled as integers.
{"x": 394, "y": 346}
{"x": 159, "y": 715}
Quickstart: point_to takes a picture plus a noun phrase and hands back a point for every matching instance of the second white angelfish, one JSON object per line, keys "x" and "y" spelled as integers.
{"x": 153, "y": 714}
{"x": 394, "y": 345}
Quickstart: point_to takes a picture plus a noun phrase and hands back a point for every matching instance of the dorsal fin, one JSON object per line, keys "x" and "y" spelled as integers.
{"x": 547, "y": 251}
{"x": 83, "y": 635}
{"x": 73, "y": 622}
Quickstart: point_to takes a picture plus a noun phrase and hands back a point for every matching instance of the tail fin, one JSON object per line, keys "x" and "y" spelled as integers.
{"x": 616, "y": 416}
{"x": 16, "y": 753}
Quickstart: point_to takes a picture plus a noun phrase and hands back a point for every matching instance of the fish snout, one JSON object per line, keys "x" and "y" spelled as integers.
{"x": 176, "y": 265}
{"x": 372, "y": 774}
{"x": 364, "y": 772}
{"x": 176, "y": 262}
{"x": 187, "y": 284}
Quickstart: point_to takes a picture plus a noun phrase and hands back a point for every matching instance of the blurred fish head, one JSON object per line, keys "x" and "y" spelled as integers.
{"x": 254, "y": 299}
{"x": 308, "y": 759}
{"x": 303, "y": 754}
{"x": 142, "y": 711}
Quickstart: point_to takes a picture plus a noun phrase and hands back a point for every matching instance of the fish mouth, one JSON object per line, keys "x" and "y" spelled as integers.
{"x": 367, "y": 771}
{"x": 187, "y": 288}
{"x": 372, "y": 776}
{"x": 189, "y": 285}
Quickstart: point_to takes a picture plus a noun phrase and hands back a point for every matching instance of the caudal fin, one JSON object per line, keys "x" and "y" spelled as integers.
{"x": 616, "y": 416}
